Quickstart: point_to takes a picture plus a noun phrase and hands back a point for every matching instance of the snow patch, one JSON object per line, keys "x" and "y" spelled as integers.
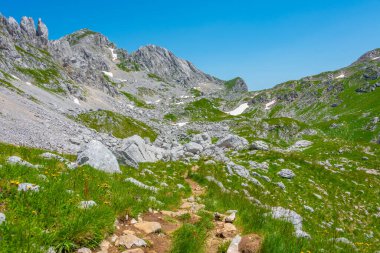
{"x": 114, "y": 56}
{"x": 269, "y": 105}
{"x": 340, "y": 76}
{"x": 375, "y": 58}
{"x": 239, "y": 110}
{"x": 76, "y": 101}
{"x": 158, "y": 101}
{"x": 108, "y": 73}
{"x": 28, "y": 83}
{"x": 181, "y": 124}
{"x": 179, "y": 103}
{"x": 15, "y": 77}
{"x": 130, "y": 106}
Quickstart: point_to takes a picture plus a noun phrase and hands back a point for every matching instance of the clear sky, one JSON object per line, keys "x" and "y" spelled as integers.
{"x": 265, "y": 42}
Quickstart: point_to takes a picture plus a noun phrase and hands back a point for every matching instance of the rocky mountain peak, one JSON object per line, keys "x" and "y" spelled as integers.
{"x": 369, "y": 56}
{"x": 27, "y": 26}
{"x": 165, "y": 64}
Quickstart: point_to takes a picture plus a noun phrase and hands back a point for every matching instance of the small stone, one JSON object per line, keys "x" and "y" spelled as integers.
{"x": 28, "y": 187}
{"x": 84, "y": 250}
{"x": 148, "y": 227}
{"x": 133, "y": 251}
{"x": 87, "y": 204}
{"x": 130, "y": 241}
{"x": 286, "y": 173}
{"x": 2, "y": 218}
{"x": 231, "y": 218}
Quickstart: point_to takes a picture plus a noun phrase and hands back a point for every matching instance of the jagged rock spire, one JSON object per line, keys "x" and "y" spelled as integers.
{"x": 42, "y": 29}
{"x": 28, "y": 27}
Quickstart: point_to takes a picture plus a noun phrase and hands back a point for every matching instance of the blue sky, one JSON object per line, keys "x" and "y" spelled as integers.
{"x": 265, "y": 42}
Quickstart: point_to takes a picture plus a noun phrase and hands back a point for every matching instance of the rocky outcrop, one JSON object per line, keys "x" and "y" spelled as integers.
{"x": 135, "y": 150}
{"x": 166, "y": 65}
{"x": 233, "y": 142}
{"x": 42, "y": 30}
{"x": 27, "y": 27}
{"x": 99, "y": 157}
{"x": 292, "y": 217}
{"x": 260, "y": 145}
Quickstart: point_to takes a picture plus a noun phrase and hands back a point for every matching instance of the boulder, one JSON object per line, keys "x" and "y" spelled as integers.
{"x": 87, "y": 204}
{"x": 130, "y": 241}
{"x": 133, "y": 251}
{"x": 286, "y": 173}
{"x": 84, "y": 250}
{"x": 203, "y": 139}
{"x": 300, "y": 145}
{"x": 99, "y": 157}
{"x": 233, "y": 142}
{"x": 234, "y": 246}
{"x": 260, "y": 145}
{"x": 24, "y": 187}
{"x": 231, "y": 218}
{"x": 148, "y": 227}
{"x": 292, "y": 217}
{"x": 15, "y": 160}
{"x": 135, "y": 150}
{"x": 193, "y": 147}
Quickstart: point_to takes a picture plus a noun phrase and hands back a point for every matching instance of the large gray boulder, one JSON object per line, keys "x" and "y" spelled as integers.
{"x": 203, "y": 139}
{"x": 233, "y": 142}
{"x": 300, "y": 145}
{"x": 260, "y": 145}
{"x": 290, "y": 216}
{"x": 99, "y": 157}
{"x": 135, "y": 150}
{"x": 193, "y": 147}
{"x": 286, "y": 173}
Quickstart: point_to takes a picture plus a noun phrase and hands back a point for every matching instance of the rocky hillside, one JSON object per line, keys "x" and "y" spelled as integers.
{"x": 107, "y": 151}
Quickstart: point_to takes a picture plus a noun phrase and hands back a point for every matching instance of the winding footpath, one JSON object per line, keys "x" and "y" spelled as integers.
{"x": 152, "y": 232}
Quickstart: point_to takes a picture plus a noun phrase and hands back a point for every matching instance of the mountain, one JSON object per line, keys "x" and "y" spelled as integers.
{"x": 103, "y": 150}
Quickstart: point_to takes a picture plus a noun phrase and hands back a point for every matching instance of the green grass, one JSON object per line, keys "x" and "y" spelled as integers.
{"x": 76, "y": 37}
{"x": 51, "y": 217}
{"x": 47, "y": 79}
{"x": 116, "y": 124}
{"x": 128, "y": 66}
{"x": 336, "y": 206}
{"x": 144, "y": 91}
{"x": 10, "y": 86}
{"x": 138, "y": 102}
{"x": 231, "y": 83}
{"x": 195, "y": 92}
{"x": 190, "y": 238}
{"x": 171, "y": 117}
{"x": 204, "y": 110}
{"x": 155, "y": 77}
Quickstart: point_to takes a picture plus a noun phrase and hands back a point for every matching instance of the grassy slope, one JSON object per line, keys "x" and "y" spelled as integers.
{"x": 116, "y": 124}
{"x": 204, "y": 110}
{"x": 138, "y": 102}
{"x": 350, "y": 194}
{"x": 51, "y": 217}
